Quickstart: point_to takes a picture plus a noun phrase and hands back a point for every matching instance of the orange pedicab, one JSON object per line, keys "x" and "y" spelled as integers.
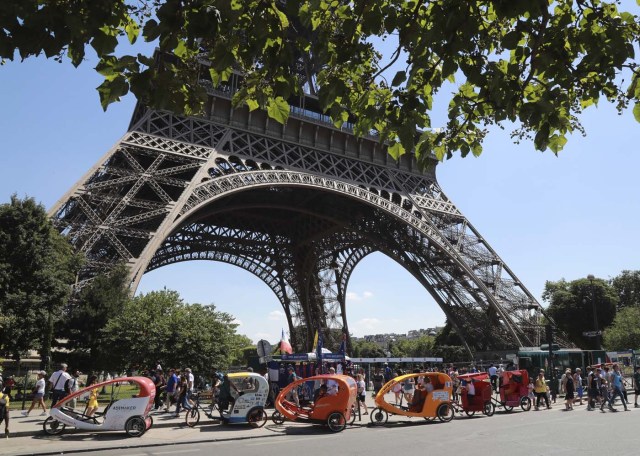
{"x": 333, "y": 404}
{"x": 431, "y": 399}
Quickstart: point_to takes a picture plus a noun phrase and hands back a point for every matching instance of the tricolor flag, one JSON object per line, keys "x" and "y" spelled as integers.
{"x": 285, "y": 346}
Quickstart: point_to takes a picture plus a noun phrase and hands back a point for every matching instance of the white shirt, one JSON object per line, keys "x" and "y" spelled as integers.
{"x": 58, "y": 379}
{"x": 471, "y": 389}
{"x": 40, "y": 384}
{"x": 493, "y": 371}
{"x": 190, "y": 380}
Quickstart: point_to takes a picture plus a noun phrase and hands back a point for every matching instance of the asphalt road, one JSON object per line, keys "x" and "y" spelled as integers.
{"x": 548, "y": 432}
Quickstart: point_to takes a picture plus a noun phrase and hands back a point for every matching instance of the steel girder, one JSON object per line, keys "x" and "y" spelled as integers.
{"x": 175, "y": 189}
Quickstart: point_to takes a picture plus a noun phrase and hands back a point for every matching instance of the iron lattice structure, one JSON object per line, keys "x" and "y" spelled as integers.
{"x": 297, "y": 205}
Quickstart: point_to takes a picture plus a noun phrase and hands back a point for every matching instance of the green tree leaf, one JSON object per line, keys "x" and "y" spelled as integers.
{"x": 278, "y": 109}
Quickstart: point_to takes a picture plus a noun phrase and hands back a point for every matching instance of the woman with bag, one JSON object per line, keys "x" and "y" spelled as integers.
{"x": 38, "y": 395}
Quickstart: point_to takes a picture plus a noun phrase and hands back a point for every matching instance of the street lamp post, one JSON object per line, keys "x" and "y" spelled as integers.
{"x": 595, "y": 315}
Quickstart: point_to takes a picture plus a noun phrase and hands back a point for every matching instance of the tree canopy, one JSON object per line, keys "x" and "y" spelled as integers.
{"x": 37, "y": 270}
{"x": 627, "y": 286}
{"x": 624, "y": 333}
{"x": 159, "y": 326}
{"x": 531, "y": 64}
{"x": 571, "y": 305}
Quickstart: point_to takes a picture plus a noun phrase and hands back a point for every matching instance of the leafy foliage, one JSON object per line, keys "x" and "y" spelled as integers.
{"x": 627, "y": 287}
{"x": 99, "y": 301}
{"x": 534, "y": 63}
{"x": 365, "y": 349}
{"x": 410, "y": 348}
{"x": 159, "y": 326}
{"x": 624, "y": 332}
{"x": 37, "y": 269}
{"x": 571, "y": 305}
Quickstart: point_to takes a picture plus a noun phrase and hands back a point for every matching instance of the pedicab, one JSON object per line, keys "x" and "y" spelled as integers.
{"x": 249, "y": 395}
{"x": 333, "y": 402}
{"x": 481, "y": 401}
{"x": 131, "y": 399}
{"x": 514, "y": 390}
{"x": 431, "y": 399}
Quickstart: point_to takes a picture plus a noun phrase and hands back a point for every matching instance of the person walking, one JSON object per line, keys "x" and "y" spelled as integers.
{"x": 362, "y": 394}
{"x": 38, "y": 395}
{"x": 636, "y": 385}
{"x": 569, "y": 389}
{"x": 58, "y": 381}
{"x": 540, "y": 389}
{"x": 92, "y": 405}
{"x": 592, "y": 389}
{"x": 577, "y": 381}
{"x": 603, "y": 386}
{"x": 170, "y": 390}
{"x": 4, "y": 411}
{"x": 73, "y": 385}
{"x": 616, "y": 384}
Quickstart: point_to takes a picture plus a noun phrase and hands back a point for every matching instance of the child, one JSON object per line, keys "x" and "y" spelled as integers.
{"x": 530, "y": 388}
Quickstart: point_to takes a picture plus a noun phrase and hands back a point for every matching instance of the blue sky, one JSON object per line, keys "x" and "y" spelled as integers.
{"x": 547, "y": 217}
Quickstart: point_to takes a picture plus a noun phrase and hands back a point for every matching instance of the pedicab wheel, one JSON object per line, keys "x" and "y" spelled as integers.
{"x": 525, "y": 403}
{"x": 52, "y": 426}
{"x": 135, "y": 426}
{"x": 470, "y": 413}
{"x": 336, "y": 422}
{"x": 507, "y": 408}
{"x": 257, "y": 417}
{"x": 192, "y": 417}
{"x": 445, "y": 412}
{"x": 489, "y": 409}
{"x": 149, "y": 422}
{"x": 277, "y": 417}
{"x": 352, "y": 417}
{"x": 379, "y": 417}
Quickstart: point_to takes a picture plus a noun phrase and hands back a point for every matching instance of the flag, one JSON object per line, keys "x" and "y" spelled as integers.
{"x": 315, "y": 342}
{"x": 343, "y": 345}
{"x": 319, "y": 350}
{"x": 285, "y": 346}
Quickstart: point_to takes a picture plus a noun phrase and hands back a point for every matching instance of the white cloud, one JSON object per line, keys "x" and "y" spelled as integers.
{"x": 237, "y": 321}
{"x": 353, "y": 296}
{"x": 276, "y": 315}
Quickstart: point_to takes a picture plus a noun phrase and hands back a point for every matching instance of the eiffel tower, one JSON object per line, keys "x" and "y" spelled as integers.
{"x": 298, "y": 205}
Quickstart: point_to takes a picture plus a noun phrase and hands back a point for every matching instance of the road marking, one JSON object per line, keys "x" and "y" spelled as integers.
{"x": 302, "y": 439}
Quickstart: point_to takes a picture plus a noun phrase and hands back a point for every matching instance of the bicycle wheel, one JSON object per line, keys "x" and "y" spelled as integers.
{"x": 192, "y": 417}
{"x": 352, "y": 418}
{"x": 489, "y": 408}
{"x": 445, "y": 412}
{"x": 257, "y": 418}
{"x": 52, "y": 426}
{"x": 277, "y": 417}
{"x": 379, "y": 417}
{"x": 525, "y": 403}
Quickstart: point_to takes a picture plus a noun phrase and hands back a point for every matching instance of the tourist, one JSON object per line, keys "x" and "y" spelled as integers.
{"x": 58, "y": 381}
{"x": 540, "y": 388}
{"x": 603, "y": 386}
{"x": 92, "y": 405}
{"x": 38, "y": 395}
{"x": 569, "y": 389}
{"x": 72, "y": 386}
{"x": 577, "y": 381}
{"x": 616, "y": 383}
{"x": 361, "y": 393}
{"x": 636, "y": 385}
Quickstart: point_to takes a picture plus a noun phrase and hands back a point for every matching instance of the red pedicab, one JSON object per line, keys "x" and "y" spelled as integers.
{"x": 481, "y": 401}
{"x": 333, "y": 404}
{"x": 514, "y": 390}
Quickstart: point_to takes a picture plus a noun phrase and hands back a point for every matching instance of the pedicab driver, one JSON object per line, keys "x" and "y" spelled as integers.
{"x": 471, "y": 391}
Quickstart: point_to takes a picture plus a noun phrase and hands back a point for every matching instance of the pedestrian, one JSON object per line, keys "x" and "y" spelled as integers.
{"x": 378, "y": 381}
{"x": 73, "y": 385}
{"x": 569, "y": 389}
{"x": 58, "y": 381}
{"x": 292, "y": 377}
{"x": 182, "y": 395}
{"x": 170, "y": 390}
{"x": 592, "y": 389}
{"x": 636, "y": 385}
{"x": 159, "y": 382}
{"x": 362, "y": 393}
{"x": 38, "y": 395}
{"x": 9, "y": 383}
{"x": 616, "y": 384}
{"x": 540, "y": 389}
{"x": 603, "y": 386}
{"x": 577, "y": 381}
{"x": 4, "y": 411}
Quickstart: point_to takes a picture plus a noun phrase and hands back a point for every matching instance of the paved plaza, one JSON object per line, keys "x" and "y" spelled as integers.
{"x": 548, "y": 432}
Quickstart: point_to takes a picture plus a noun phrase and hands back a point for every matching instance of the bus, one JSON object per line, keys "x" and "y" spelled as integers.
{"x": 534, "y": 358}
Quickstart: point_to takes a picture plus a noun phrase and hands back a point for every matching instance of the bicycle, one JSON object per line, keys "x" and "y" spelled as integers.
{"x": 192, "y": 417}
